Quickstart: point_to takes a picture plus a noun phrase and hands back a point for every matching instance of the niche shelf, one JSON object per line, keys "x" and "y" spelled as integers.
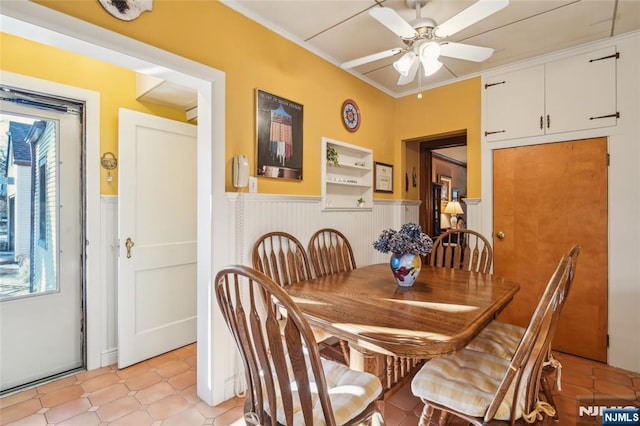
{"x": 344, "y": 183}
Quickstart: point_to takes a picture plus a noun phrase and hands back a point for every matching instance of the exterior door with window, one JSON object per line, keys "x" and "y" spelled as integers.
{"x": 41, "y": 292}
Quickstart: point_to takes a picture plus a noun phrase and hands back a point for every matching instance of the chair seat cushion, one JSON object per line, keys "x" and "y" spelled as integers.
{"x": 350, "y": 392}
{"x": 498, "y": 338}
{"x": 465, "y": 382}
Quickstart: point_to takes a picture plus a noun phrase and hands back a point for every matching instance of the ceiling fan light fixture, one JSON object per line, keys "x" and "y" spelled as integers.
{"x": 403, "y": 65}
{"x": 429, "y": 54}
{"x": 429, "y": 51}
{"x": 431, "y": 67}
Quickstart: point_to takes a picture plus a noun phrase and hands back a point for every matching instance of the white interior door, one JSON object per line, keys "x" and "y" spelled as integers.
{"x": 157, "y": 232}
{"x": 41, "y": 318}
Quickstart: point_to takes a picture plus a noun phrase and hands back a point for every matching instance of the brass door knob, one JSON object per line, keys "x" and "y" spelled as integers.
{"x": 500, "y": 235}
{"x": 129, "y": 243}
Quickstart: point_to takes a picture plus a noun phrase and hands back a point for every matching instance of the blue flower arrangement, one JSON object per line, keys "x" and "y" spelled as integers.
{"x": 410, "y": 239}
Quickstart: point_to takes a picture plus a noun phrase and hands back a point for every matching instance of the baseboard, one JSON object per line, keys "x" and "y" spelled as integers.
{"x": 109, "y": 357}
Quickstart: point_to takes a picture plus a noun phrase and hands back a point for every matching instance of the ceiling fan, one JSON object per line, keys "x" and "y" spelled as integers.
{"x": 421, "y": 38}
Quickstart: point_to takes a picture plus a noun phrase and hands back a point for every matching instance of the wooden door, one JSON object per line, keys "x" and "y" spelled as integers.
{"x": 546, "y": 198}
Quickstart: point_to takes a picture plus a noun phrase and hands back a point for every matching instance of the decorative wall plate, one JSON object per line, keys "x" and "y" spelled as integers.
{"x": 127, "y": 10}
{"x": 351, "y": 115}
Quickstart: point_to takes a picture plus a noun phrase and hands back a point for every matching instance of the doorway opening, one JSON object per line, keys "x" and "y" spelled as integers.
{"x": 449, "y": 148}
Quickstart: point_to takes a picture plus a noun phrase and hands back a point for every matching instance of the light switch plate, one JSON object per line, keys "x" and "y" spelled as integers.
{"x": 253, "y": 185}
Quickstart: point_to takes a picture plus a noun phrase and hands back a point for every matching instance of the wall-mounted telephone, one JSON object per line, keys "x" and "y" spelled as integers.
{"x": 240, "y": 170}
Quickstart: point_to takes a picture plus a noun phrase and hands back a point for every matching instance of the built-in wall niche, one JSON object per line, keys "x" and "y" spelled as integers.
{"x": 162, "y": 92}
{"x": 347, "y": 176}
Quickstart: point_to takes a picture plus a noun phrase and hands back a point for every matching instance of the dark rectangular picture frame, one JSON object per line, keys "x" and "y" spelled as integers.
{"x": 278, "y": 137}
{"x": 383, "y": 177}
{"x": 446, "y": 187}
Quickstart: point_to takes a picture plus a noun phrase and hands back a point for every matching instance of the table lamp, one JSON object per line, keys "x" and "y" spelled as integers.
{"x": 453, "y": 208}
{"x": 444, "y": 221}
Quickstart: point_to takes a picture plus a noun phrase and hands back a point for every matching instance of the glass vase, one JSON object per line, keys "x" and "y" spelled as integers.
{"x": 406, "y": 268}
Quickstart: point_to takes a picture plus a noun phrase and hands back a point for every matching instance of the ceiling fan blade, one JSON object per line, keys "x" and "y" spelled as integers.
{"x": 406, "y": 79}
{"x": 370, "y": 58}
{"x": 390, "y": 19}
{"x": 474, "y": 13}
{"x": 465, "y": 51}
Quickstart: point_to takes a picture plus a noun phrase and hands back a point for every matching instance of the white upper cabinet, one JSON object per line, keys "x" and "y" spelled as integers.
{"x": 580, "y": 91}
{"x": 347, "y": 176}
{"x": 515, "y": 104}
{"x": 574, "y": 93}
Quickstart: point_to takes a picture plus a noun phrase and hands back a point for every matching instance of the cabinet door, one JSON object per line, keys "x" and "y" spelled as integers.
{"x": 514, "y": 104}
{"x": 581, "y": 91}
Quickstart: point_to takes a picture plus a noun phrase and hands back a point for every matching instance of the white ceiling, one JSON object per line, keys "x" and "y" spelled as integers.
{"x": 458, "y": 153}
{"x": 341, "y": 30}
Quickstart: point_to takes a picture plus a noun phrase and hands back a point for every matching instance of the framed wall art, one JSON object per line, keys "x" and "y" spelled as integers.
{"x": 446, "y": 187}
{"x": 383, "y": 177}
{"x": 279, "y": 137}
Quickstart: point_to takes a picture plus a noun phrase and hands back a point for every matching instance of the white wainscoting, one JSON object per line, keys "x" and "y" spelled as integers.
{"x": 109, "y": 280}
{"x": 301, "y": 216}
{"x": 257, "y": 214}
{"x": 474, "y": 215}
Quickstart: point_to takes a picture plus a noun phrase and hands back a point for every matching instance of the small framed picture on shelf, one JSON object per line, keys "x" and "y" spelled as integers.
{"x": 383, "y": 177}
{"x": 455, "y": 194}
{"x": 446, "y": 187}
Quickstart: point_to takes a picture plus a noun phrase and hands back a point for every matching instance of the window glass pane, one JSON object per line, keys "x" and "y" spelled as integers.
{"x": 28, "y": 206}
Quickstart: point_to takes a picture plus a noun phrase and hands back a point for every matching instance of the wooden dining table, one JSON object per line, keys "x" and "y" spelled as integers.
{"x": 385, "y": 323}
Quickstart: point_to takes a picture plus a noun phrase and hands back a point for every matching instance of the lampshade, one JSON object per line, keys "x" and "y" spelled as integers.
{"x": 445, "y": 223}
{"x": 403, "y": 65}
{"x": 429, "y": 53}
{"x": 431, "y": 67}
{"x": 453, "y": 207}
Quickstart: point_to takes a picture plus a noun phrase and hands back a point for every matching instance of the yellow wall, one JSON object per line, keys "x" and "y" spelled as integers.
{"x": 441, "y": 111}
{"x": 115, "y": 85}
{"x": 253, "y": 57}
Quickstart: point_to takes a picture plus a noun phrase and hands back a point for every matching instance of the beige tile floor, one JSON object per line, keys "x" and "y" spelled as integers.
{"x": 162, "y": 391}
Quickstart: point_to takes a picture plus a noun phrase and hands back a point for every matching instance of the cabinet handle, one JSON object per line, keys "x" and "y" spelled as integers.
{"x": 487, "y": 85}
{"x": 616, "y": 115}
{"x": 500, "y": 235}
{"x": 548, "y": 121}
{"x": 491, "y": 133}
{"x": 541, "y": 122}
{"x": 615, "y": 55}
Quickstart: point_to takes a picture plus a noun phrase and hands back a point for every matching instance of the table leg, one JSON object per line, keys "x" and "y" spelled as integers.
{"x": 371, "y": 362}
{"x": 363, "y": 360}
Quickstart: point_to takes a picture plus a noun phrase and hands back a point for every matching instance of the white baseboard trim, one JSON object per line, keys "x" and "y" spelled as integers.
{"x": 109, "y": 357}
